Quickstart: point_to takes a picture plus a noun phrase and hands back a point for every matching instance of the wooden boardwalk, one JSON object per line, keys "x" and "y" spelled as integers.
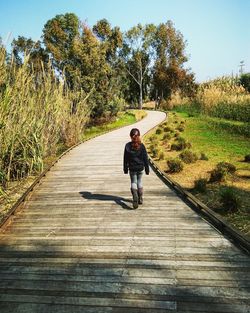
{"x": 77, "y": 246}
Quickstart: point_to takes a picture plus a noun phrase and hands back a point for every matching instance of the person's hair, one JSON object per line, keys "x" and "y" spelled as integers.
{"x": 135, "y": 137}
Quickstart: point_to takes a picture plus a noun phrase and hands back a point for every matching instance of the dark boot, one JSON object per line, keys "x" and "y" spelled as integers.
{"x": 135, "y": 198}
{"x": 140, "y": 194}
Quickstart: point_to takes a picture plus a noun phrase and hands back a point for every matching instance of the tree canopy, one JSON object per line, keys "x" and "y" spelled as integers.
{"x": 106, "y": 66}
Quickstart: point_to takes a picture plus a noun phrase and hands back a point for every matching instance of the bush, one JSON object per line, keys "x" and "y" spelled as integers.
{"x": 221, "y": 170}
{"x": 180, "y": 144}
{"x": 247, "y": 158}
{"x": 203, "y": 156}
{"x": 200, "y": 185}
{"x": 168, "y": 129}
{"x": 154, "y": 151}
{"x": 166, "y": 136}
{"x": 180, "y": 128}
{"x": 217, "y": 175}
{"x": 177, "y": 134}
{"x": 158, "y": 131}
{"x": 153, "y": 138}
{"x": 245, "y": 81}
{"x": 188, "y": 156}
{"x": 228, "y": 167}
{"x": 230, "y": 200}
{"x": 175, "y": 165}
{"x": 161, "y": 155}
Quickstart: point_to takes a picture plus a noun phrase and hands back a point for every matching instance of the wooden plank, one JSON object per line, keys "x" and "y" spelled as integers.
{"x": 76, "y": 245}
{"x": 96, "y": 302}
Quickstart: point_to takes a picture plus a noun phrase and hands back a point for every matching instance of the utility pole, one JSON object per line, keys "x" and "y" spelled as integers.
{"x": 242, "y": 64}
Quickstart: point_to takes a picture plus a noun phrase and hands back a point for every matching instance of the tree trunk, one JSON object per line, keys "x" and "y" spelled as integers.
{"x": 140, "y": 100}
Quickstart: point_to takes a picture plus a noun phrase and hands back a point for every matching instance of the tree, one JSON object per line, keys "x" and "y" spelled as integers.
{"x": 85, "y": 57}
{"x": 137, "y": 53}
{"x": 59, "y": 35}
{"x": 110, "y": 38}
{"x": 38, "y": 58}
{"x": 168, "y": 73}
{"x": 245, "y": 81}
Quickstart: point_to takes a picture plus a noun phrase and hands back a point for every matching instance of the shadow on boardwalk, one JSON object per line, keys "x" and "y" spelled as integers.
{"x": 104, "y": 197}
{"x": 45, "y": 278}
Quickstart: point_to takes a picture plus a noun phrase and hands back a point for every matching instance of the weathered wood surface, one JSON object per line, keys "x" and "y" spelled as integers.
{"x": 77, "y": 246}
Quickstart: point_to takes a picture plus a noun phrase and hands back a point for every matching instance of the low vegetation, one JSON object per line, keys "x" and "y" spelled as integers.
{"x": 15, "y": 188}
{"x": 219, "y": 176}
{"x": 224, "y": 97}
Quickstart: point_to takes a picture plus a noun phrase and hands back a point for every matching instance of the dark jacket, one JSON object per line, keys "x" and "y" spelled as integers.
{"x": 135, "y": 160}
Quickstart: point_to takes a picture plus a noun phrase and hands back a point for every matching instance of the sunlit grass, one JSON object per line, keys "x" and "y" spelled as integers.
{"x": 223, "y": 97}
{"x": 123, "y": 119}
{"x": 219, "y": 146}
{"x": 36, "y": 119}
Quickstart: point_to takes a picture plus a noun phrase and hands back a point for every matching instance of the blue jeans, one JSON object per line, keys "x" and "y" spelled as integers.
{"x": 136, "y": 179}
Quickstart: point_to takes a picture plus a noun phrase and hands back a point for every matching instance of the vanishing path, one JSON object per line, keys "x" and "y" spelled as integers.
{"x": 77, "y": 246}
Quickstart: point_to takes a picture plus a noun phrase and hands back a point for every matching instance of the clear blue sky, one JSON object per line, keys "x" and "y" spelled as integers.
{"x": 217, "y": 31}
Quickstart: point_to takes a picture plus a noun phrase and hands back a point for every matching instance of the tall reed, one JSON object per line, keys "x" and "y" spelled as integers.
{"x": 223, "y": 97}
{"x": 36, "y": 118}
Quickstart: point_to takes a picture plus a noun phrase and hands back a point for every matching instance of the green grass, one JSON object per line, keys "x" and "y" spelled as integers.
{"x": 123, "y": 119}
{"x": 219, "y": 146}
{"x": 217, "y": 143}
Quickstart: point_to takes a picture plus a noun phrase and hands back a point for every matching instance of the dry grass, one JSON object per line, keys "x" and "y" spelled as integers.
{"x": 218, "y": 148}
{"x": 36, "y": 119}
{"x": 222, "y": 97}
{"x": 149, "y": 105}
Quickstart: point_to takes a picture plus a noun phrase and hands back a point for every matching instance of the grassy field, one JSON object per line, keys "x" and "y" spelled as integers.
{"x": 215, "y": 144}
{"x": 122, "y": 119}
{"x": 16, "y": 188}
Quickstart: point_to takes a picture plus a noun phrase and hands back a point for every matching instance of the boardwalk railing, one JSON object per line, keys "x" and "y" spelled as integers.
{"x": 216, "y": 220}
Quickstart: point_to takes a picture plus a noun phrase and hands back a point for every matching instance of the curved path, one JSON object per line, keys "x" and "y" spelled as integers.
{"x": 76, "y": 246}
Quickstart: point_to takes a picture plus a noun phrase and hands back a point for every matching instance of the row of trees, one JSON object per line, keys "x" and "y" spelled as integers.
{"x": 106, "y": 65}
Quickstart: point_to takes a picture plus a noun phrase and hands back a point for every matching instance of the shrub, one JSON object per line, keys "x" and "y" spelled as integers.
{"x": 222, "y": 169}
{"x": 153, "y": 138}
{"x": 168, "y": 129}
{"x": 161, "y": 155}
{"x": 200, "y": 185}
{"x": 180, "y": 128}
{"x": 188, "y": 156}
{"x": 158, "y": 131}
{"x": 175, "y": 165}
{"x": 154, "y": 151}
{"x": 230, "y": 200}
{"x": 177, "y": 134}
{"x": 180, "y": 144}
{"x": 217, "y": 175}
{"x": 247, "y": 158}
{"x": 228, "y": 167}
{"x": 245, "y": 81}
{"x": 203, "y": 156}
{"x": 166, "y": 136}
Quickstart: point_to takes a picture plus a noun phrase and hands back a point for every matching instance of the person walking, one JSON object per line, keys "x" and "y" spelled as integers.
{"x": 135, "y": 160}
